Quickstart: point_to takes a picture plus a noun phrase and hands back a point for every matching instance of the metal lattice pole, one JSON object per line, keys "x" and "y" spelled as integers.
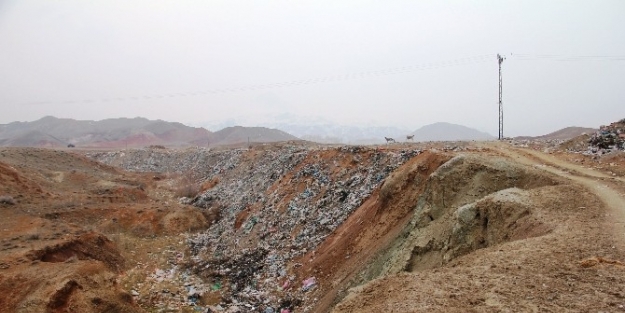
{"x": 500, "y": 59}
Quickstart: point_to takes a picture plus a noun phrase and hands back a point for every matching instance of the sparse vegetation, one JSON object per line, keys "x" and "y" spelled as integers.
{"x": 7, "y": 200}
{"x": 188, "y": 187}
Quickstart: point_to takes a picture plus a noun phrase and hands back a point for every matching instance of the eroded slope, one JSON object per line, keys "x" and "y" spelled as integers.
{"x": 501, "y": 237}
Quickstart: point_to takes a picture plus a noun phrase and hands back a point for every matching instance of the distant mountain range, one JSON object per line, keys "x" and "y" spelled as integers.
{"x": 140, "y": 132}
{"x": 343, "y": 134}
{"x": 120, "y": 132}
{"x": 124, "y": 132}
{"x": 332, "y": 133}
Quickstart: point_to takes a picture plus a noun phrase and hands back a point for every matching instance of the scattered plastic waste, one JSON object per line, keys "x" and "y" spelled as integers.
{"x": 309, "y": 283}
{"x": 274, "y": 205}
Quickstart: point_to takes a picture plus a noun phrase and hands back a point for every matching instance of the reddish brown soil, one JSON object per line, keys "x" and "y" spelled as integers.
{"x": 574, "y": 264}
{"x": 56, "y": 254}
{"x": 81, "y": 235}
{"x": 376, "y": 223}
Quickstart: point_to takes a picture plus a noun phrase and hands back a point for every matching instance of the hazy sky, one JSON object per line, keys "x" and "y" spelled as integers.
{"x": 384, "y": 63}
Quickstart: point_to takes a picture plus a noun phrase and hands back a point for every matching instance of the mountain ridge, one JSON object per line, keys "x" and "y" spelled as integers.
{"x": 241, "y": 134}
{"x": 443, "y": 131}
{"x": 50, "y": 131}
{"x": 561, "y": 134}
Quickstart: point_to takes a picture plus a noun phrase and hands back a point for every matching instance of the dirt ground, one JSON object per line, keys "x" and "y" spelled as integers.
{"x": 464, "y": 227}
{"x": 72, "y": 229}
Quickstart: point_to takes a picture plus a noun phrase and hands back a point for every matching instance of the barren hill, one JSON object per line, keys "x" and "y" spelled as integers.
{"x": 562, "y": 134}
{"x": 240, "y": 135}
{"x": 449, "y": 132}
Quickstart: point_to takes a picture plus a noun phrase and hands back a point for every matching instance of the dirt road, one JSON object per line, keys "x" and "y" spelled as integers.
{"x": 610, "y": 189}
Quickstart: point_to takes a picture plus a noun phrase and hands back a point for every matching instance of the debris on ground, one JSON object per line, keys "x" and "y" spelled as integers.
{"x": 609, "y": 138}
{"x": 274, "y": 204}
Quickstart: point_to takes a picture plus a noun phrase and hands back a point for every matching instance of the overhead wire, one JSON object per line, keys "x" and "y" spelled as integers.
{"x": 351, "y": 76}
{"x": 293, "y": 83}
{"x": 560, "y": 57}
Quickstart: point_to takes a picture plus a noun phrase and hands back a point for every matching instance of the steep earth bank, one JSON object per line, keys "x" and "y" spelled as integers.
{"x": 553, "y": 242}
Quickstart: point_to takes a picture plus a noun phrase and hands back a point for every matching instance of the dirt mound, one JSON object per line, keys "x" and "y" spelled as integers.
{"x": 85, "y": 286}
{"x": 53, "y": 254}
{"x": 456, "y": 215}
{"x": 579, "y": 143}
{"x": 504, "y": 216}
{"x": 90, "y": 246}
{"x": 147, "y": 222}
{"x": 518, "y": 243}
{"x": 45, "y": 271}
{"x": 340, "y": 260}
{"x": 12, "y": 183}
{"x": 291, "y": 199}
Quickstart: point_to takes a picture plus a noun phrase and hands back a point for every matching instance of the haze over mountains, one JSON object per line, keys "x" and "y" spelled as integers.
{"x": 240, "y": 134}
{"x": 325, "y": 131}
{"x": 449, "y": 132}
{"x": 331, "y": 133}
{"x": 53, "y": 132}
{"x": 127, "y": 132}
{"x": 139, "y": 132}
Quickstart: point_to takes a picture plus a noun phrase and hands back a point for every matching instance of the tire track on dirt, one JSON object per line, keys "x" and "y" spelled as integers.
{"x": 604, "y": 186}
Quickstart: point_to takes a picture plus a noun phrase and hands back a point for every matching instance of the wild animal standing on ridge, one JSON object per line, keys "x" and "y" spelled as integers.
{"x": 389, "y": 140}
{"x": 410, "y": 137}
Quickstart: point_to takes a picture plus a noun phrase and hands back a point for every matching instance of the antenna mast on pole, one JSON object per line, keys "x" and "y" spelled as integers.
{"x": 500, "y": 59}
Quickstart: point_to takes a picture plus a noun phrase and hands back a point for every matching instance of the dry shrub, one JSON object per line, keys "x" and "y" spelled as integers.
{"x": 212, "y": 215}
{"x": 7, "y": 200}
{"x": 590, "y": 262}
{"x": 188, "y": 188}
{"x": 392, "y": 184}
{"x": 209, "y": 184}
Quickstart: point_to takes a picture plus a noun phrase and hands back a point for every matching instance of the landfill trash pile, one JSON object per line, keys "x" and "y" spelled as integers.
{"x": 608, "y": 138}
{"x": 537, "y": 143}
{"x": 192, "y": 161}
{"x": 287, "y": 204}
{"x": 276, "y": 204}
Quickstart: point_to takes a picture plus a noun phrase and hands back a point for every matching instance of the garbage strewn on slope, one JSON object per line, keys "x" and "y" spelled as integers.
{"x": 609, "y": 138}
{"x": 275, "y": 204}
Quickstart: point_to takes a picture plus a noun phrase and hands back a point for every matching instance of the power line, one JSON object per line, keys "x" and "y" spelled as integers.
{"x": 348, "y": 76}
{"x": 294, "y": 83}
{"x": 560, "y": 57}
